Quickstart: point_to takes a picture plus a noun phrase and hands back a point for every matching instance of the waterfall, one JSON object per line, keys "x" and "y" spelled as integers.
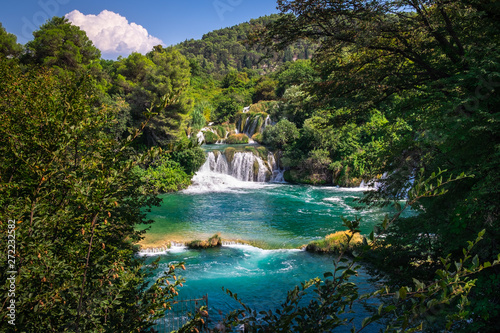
{"x": 278, "y": 173}
{"x": 201, "y": 137}
{"x": 244, "y": 166}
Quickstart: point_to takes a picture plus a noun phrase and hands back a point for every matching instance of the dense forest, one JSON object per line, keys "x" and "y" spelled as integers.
{"x": 401, "y": 92}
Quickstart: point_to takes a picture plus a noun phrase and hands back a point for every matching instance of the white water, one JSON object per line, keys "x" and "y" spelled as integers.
{"x": 241, "y": 167}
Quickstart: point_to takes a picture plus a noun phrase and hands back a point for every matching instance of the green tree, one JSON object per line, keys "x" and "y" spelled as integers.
{"x": 264, "y": 90}
{"x": 8, "y": 44}
{"x": 160, "y": 78}
{"x": 435, "y": 65}
{"x": 70, "y": 190}
{"x": 59, "y": 43}
{"x": 227, "y": 107}
{"x": 294, "y": 73}
{"x": 278, "y": 136}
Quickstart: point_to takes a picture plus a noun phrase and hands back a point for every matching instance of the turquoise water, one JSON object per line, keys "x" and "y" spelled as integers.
{"x": 263, "y": 225}
{"x": 268, "y": 215}
{"x": 261, "y": 278}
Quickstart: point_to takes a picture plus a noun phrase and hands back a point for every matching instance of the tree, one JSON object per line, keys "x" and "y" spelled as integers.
{"x": 282, "y": 134}
{"x": 73, "y": 201}
{"x": 61, "y": 44}
{"x": 432, "y": 65}
{"x": 294, "y": 73}
{"x": 160, "y": 78}
{"x": 264, "y": 90}
{"x": 226, "y": 109}
{"x": 8, "y": 44}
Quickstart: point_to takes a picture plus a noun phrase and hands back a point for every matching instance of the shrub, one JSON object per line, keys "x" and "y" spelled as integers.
{"x": 280, "y": 135}
{"x": 166, "y": 176}
{"x": 190, "y": 159}
{"x": 237, "y": 138}
{"x": 334, "y": 243}
{"x": 257, "y": 137}
{"x": 210, "y": 137}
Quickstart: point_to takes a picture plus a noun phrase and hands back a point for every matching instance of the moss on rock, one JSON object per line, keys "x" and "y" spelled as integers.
{"x": 335, "y": 243}
{"x": 229, "y": 153}
{"x": 214, "y": 241}
{"x": 237, "y": 139}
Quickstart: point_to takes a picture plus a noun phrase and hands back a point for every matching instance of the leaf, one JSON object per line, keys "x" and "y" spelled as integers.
{"x": 365, "y": 322}
{"x": 402, "y": 292}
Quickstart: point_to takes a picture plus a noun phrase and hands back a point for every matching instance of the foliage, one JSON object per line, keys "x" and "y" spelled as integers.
{"x": 294, "y": 74}
{"x": 295, "y": 105}
{"x": 198, "y": 120}
{"x": 226, "y": 50}
{"x": 165, "y": 175}
{"x": 210, "y": 137}
{"x": 237, "y": 139}
{"x": 226, "y": 109}
{"x": 279, "y": 135}
{"x": 190, "y": 159}
{"x": 60, "y": 44}
{"x": 75, "y": 202}
{"x": 160, "y": 78}
{"x": 264, "y": 90}
{"x": 8, "y": 44}
{"x": 257, "y": 137}
{"x": 335, "y": 243}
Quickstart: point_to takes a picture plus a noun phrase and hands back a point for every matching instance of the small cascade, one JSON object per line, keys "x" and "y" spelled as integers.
{"x": 244, "y": 166}
{"x": 201, "y": 137}
{"x": 278, "y": 173}
{"x": 267, "y": 122}
{"x": 216, "y": 163}
{"x": 172, "y": 247}
{"x": 372, "y": 184}
{"x": 251, "y": 123}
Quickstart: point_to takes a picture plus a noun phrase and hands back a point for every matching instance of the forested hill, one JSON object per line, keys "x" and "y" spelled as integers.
{"x": 222, "y": 50}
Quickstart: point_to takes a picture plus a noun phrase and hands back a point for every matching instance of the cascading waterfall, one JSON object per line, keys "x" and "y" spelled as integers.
{"x": 278, "y": 173}
{"x": 244, "y": 166}
{"x": 250, "y": 124}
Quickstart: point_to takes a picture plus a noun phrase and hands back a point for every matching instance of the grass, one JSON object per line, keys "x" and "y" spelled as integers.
{"x": 334, "y": 243}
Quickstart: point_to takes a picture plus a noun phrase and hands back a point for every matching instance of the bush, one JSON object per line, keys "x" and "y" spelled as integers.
{"x": 166, "y": 176}
{"x": 237, "y": 138}
{"x": 257, "y": 137}
{"x": 334, "y": 243}
{"x": 190, "y": 159}
{"x": 210, "y": 137}
{"x": 282, "y": 134}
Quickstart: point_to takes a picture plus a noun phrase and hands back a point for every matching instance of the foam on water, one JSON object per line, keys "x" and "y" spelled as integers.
{"x": 208, "y": 181}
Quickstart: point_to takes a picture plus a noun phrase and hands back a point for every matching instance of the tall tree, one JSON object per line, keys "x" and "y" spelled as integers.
{"x": 59, "y": 43}
{"x": 159, "y": 78}
{"x": 432, "y": 68}
{"x": 8, "y": 43}
{"x": 73, "y": 200}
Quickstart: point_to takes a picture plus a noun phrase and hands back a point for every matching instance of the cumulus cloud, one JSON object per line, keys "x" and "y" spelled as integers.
{"x": 113, "y": 34}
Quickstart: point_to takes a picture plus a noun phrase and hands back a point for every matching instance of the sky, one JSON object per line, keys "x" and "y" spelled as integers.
{"x": 119, "y": 27}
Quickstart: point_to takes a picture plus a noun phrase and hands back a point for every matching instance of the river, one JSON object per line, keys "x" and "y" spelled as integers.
{"x": 263, "y": 225}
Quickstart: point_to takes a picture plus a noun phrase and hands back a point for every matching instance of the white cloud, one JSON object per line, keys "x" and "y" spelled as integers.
{"x": 113, "y": 34}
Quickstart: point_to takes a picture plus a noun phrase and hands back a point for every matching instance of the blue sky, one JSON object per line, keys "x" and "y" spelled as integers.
{"x": 168, "y": 21}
